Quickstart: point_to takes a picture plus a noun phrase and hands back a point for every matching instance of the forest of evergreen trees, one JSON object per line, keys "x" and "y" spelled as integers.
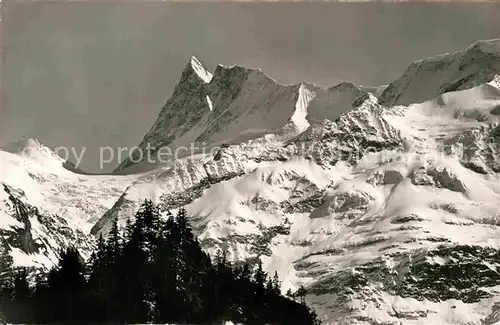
{"x": 155, "y": 272}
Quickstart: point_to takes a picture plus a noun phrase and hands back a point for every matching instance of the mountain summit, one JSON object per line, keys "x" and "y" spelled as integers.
{"x": 35, "y": 152}
{"x": 236, "y": 104}
{"x": 199, "y": 69}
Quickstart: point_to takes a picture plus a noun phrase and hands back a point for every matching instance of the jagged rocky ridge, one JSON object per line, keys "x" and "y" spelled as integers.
{"x": 237, "y": 104}
{"x": 372, "y": 206}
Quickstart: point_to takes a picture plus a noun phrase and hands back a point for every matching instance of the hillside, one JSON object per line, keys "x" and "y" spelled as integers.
{"x": 386, "y": 209}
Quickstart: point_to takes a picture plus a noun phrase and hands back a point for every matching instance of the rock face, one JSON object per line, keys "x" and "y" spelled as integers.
{"x": 386, "y": 213}
{"x": 408, "y": 287}
{"x": 477, "y": 149}
{"x": 45, "y": 207}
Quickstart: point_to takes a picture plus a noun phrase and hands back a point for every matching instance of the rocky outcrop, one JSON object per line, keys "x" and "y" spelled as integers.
{"x": 477, "y": 149}
{"x": 445, "y": 274}
{"x": 336, "y": 191}
{"x": 438, "y": 176}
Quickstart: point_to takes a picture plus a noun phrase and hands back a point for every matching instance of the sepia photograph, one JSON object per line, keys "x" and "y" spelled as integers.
{"x": 250, "y": 163}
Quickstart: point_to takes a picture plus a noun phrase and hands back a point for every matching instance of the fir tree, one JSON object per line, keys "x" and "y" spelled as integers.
{"x": 6, "y": 262}
{"x": 66, "y": 284}
{"x": 6, "y": 275}
{"x": 259, "y": 278}
{"x": 157, "y": 273}
{"x": 129, "y": 227}
{"x": 21, "y": 286}
{"x": 165, "y": 269}
{"x": 135, "y": 265}
{"x": 22, "y": 296}
{"x": 276, "y": 284}
{"x": 301, "y": 293}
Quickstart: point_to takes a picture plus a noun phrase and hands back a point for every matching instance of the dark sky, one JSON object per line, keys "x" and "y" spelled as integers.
{"x": 93, "y": 74}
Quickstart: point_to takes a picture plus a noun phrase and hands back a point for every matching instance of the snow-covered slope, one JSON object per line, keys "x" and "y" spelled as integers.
{"x": 45, "y": 207}
{"x": 388, "y": 214}
{"x": 431, "y": 77}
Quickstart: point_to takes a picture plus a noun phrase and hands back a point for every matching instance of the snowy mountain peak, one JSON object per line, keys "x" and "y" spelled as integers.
{"x": 431, "y": 77}
{"x": 236, "y": 74}
{"x": 22, "y": 145}
{"x": 33, "y": 150}
{"x": 227, "y": 70}
{"x": 200, "y": 70}
{"x": 237, "y": 104}
{"x": 487, "y": 46}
